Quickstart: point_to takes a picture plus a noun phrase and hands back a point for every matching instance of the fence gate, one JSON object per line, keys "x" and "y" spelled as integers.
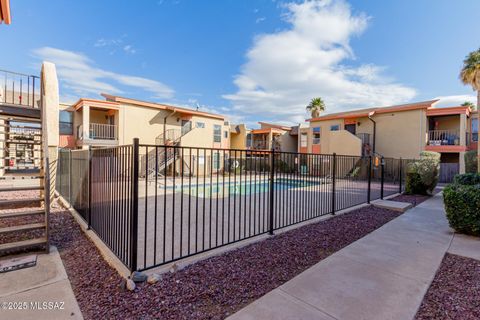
{"x": 448, "y": 171}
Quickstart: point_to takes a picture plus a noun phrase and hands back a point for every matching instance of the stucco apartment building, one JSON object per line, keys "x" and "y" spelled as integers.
{"x": 118, "y": 120}
{"x": 269, "y": 136}
{"x": 400, "y": 131}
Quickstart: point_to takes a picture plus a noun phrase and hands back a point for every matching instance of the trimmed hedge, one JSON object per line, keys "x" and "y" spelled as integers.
{"x": 422, "y": 175}
{"x": 462, "y": 204}
{"x": 471, "y": 161}
{"x": 468, "y": 179}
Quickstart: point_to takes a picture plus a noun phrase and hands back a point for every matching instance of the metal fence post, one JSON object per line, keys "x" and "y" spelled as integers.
{"x": 369, "y": 191}
{"x": 134, "y": 211}
{"x": 400, "y": 176}
{"x": 382, "y": 181}
{"x": 272, "y": 194}
{"x": 89, "y": 187}
{"x": 334, "y": 170}
{"x": 70, "y": 177}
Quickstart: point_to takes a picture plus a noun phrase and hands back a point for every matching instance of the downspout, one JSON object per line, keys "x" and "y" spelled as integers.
{"x": 370, "y": 115}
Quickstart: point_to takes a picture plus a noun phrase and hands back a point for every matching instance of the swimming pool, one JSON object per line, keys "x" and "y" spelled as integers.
{"x": 227, "y": 188}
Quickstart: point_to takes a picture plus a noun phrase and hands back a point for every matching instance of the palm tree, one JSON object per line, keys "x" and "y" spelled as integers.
{"x": 316, "y": 106}
{"x": 470, "y": 75}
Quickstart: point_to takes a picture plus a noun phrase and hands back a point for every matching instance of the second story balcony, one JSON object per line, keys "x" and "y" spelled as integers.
{"x": 444, "y": 138}
{"x": 19, "y": 94}
{"x": 98, "y": 131}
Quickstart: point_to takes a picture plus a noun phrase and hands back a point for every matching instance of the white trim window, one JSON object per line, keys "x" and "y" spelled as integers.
{"x": 303, "y": 139}
{"x": 217, "y": 133}
{"x": 200, "y": 125}
{"x": 316, "y": 135}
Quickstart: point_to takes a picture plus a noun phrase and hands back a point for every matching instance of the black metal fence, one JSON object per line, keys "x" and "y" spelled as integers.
{"x": 19, "y": 89}
{"x": 154, "y": 204}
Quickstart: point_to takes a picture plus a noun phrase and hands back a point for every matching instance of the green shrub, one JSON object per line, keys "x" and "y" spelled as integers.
{"x": 467, "y": 179}
{"x": 422, "y": 175}
{"x": 471, "y": 161}
{"x": 462, "y": 204}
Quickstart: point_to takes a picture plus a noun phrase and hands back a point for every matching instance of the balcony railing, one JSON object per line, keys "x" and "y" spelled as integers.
{"x": 443, "y": 138}
{"x": 173, "y": 136}
{"x": 19, "y": 89}
{"x": 99, "y": 131}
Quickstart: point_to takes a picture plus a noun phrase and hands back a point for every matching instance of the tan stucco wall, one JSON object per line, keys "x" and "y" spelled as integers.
{"x": 203, "y": 137}
{"x": 448, "y": 122}
{"x": 98, "y": 116}
{"x": 147, "y": 124}
{"x": 399, "y": 134}
{"x": 343, "y": 142}
{"x": 288, "y": 143}
{"x": 140, "y": 122}
{"x": 239, "y": 140}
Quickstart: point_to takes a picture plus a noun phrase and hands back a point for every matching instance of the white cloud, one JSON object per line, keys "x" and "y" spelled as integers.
{"x": 455, "y": 100}
{"x": 100, "y": 43}
{"x": 261, "y": 19}
{"x": 285, "y": 69}
{"x": 129, "y": 49}
{"x": 78, "y": 74}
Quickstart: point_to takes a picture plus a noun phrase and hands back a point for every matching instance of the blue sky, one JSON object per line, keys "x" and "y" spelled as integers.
{"x": 255, "y": 60}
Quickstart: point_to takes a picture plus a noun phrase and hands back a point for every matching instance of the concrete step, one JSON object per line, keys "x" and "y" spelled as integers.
{"x": 22, "y": 244}
{"x": 19, "y": 202}
{"x": 392, "y": 205}
{"x": 29, "y": 177}
{"x": 21, "y": 214}
{"x": 22, "y": 227}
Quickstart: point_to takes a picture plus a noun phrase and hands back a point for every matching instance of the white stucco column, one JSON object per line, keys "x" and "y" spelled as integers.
{"x": 461, "y": 161}
{"x": 86, "y": 122}
{"x": 50, "y": 124}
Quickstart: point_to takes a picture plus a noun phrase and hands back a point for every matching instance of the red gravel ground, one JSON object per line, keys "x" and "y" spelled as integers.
{"x": 211, "y": 289}
{"x": 414, "y": 199}
{"x": 455, "y": 291}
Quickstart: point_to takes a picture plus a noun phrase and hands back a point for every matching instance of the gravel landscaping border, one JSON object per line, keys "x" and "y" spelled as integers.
{"x": 454, "y": 292}
{"x": 210, "y": 289}
{"x": 414, "y": 199}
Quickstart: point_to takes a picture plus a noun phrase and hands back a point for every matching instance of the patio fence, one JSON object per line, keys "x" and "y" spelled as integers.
{"x": 153, "y": 204}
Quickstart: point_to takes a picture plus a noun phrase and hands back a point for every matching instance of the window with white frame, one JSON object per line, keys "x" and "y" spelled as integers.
{"x": 335, "y": 127}
{"x": 217, "y": 133}
{"x": 316, "y": 135}
{"x": 66, "y": 122}
{"x": 303, "y": 139}
{"x": 200, "y": 125}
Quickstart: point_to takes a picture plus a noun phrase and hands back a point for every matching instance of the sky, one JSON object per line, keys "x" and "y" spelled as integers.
{"x": 251, "y": 60}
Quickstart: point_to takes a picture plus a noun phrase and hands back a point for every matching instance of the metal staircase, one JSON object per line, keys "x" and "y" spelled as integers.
{"x": 24, "y": 180}
{"x": 166, "y": 156}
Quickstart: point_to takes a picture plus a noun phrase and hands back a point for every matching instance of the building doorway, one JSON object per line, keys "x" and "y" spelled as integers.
{"x": 449, "y": 166}
{"x": 352, "y": 128}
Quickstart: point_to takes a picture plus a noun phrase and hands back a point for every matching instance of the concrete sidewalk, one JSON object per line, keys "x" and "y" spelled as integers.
{"x": 39, "y": 292}
{"x": 381, "y": 276}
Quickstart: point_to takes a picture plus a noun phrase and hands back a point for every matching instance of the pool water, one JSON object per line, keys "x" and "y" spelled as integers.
{"x": 240, "y": 188}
